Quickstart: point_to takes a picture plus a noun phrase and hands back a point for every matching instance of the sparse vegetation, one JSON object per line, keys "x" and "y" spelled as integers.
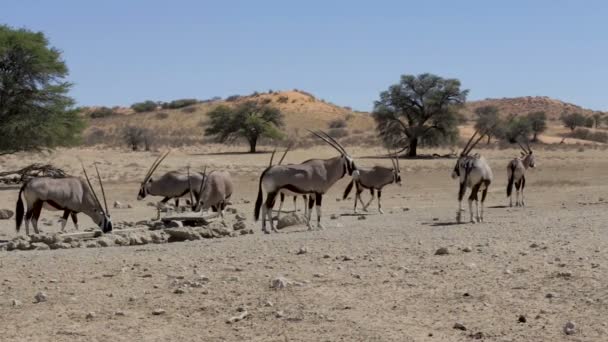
{"x": 249, "y": 120}
{"x": 573, "y": 120}
{"x": 101, "y": 112}
{"x": 589, "y": 122}
{"x": 188, "y": 110}
{"x": 538, "y": 124}
{"x": 181, "y": 103}
{"x": 283, "y": 99}
{"x": 586, "y": 134}
{"x": 597, "y": 119}
{"x": 489, "y": 122}
{"x": 233, "y": 98}
{"x": 35, "y": 109}
{"x": 518, "y": 129}
{"x": 419, "y": 109}
{"x": 337, "y": 123}
{"x": 161, "y": 115}
{"x": 146, "y": 106}
{"x": 135, "y": 136}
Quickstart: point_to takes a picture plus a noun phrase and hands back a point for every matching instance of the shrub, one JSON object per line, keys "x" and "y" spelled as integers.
{"x": 188, "y": 110}
{"x": 146, "y": 106}
{"x": 95, "y": 136}
{"x": 136, "y": 136}
{"x": 101, "y": 112}
{"x": 586, "y": 134}
{"x": 589, "y": 122}
{"x": 337, "y": 123}
{"x": 573, "y": 120}
{"x": 266, "y": 101}
{"x": 181, "y": 103}
{"x": 161, "y": 115}
{"x": 233, "y": 98}
{"x": 517, "y": 129}
{"x": 283, "y": 99}
{"x": 337, "y": 132}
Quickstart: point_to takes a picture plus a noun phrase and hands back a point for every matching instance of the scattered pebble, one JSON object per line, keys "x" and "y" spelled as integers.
{"x": 279, "y": 283}
{"x": 179, "y": 291}
{"x": 467, "y": 249}
{"x": 442, "y": 251}
{"x": 569, "y": 328}
{"x": 238, "y": 318}
{"x": 40, "y": 297}
{"x": 158, "y": 312}
{"x": 302, "y": 250}
{"x": 362, "y": 217}
{"x": 522, "y": 319}
{"x": 15, "y": 302}
{"x": 459, "y": 326}
{"x": 90, "y": 316}
{"x": 119, "y": 313}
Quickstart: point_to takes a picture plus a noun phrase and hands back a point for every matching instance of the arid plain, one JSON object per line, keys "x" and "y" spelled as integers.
{"x": 520, "y": 276}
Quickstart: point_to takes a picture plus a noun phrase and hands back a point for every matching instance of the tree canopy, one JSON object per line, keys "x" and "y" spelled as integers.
{"x": 249, "y": 120}
{"x": 35, "y": 110}
{"x": 538, "y": 123}
{"x": 419, "y": 109}
{"x": 489, "y": 122}
{"x": 573, "y": 120}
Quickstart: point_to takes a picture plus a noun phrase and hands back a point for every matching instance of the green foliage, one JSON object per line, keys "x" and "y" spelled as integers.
{"x": 589, "y": 122}
{"x": 248, "y": 120}
{"x": 421, "y": 109}
{"x": 101, "y": 112}
{"x": 181, "y": 103}
{"x": 518, "y": 129}
{"x": 35, "y": 111}
{"x": 136, "y": 136}
{"x": 489, "y": 122}
{"x": 573, "y": 120}
{"x": 146, "y": 106}
{"x": 538, "y": 123}
{"x": 585, "y": 134}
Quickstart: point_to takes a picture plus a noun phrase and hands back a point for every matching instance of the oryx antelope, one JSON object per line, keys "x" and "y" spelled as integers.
{"x": 312, "y": 177}
{"x": 475, "y": 173}
{"x": 171, "y": 185}
{"x": 71, "y": 194}
{"x": 214, "y": 192}
{"x": 374, "y": 179}
{"x": 516, "y": 174}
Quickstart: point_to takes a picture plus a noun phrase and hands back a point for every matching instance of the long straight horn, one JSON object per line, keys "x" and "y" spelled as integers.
{"x": 523, "y": 148}
{"x": 103, "y": 192}
{"x": 190, "y": 186}
{"x": 155, "y": 165}
{"x": 335, "y": 142}
{"x": 327, "y": 141}
{"x": 528, "y": 145}
{"x": 284, "y": 154}
{"x": 203, "y": 183}
{"x": 272, "y": 157}
{"x": 86, "y": 176}
{"x": 475, "y": 143}
{"x": 464, "y": 150}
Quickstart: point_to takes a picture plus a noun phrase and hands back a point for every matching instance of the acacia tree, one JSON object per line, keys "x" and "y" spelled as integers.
{"x": 573, "y": 120}
{"x": 597, "y": 118}
{"x": 35, "y": 111}
{"x": 249, "y": 120}
{"x": 538, "y": 123}
{"x": 489, "y": 121}
{"x": 419, "y": 109}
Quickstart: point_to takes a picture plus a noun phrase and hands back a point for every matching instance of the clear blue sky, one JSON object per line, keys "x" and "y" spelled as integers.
{"x": 120, "y": 52}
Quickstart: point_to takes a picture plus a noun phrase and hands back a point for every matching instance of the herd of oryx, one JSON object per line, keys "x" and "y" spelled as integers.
{"x": 310, "y": 179}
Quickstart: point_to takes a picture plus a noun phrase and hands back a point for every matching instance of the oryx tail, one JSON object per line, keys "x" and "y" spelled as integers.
{"x": 260, "y": 199}
{"x": 19, "y": 210}
{"x": 511, "y": 179}
{"x": 349, "y": 187}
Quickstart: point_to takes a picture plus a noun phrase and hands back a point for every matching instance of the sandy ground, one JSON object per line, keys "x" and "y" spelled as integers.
{"x": 360, "y": 280}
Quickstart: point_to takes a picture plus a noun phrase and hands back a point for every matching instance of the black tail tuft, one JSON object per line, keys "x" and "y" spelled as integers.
{"x": 511, "y": 179}
{"x": 258, "y": 201}
{"x": 349, "y": 187}
{"x": 19, "y": 210}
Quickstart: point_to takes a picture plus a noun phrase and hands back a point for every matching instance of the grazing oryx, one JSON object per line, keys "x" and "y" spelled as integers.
{"x": 474, "y": 173}
{"x": 71, "y": 194}
{"x": 314, "y": 176}
{"x": 214, "y": 192}
{"x": 173, "y": 184}
{"x": 374, "y": 178}
{"x": 515, "y": 170}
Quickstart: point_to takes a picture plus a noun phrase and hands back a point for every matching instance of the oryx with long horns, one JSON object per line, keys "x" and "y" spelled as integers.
{"x": 475, "y": 173}
{"x": 312, "y": 177}
{"x": 71, "y": 194}
{"x": 374, "y": 179}
{"x": 214, "y": 192}
{"x": 516, "y": 174}
{"x": 282, "y": 193}
{"x": 171, "y": 185}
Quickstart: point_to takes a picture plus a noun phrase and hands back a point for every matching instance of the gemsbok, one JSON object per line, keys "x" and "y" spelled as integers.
{"x": 71, "y": 194}
{"x": 516, "y": 175}
{"x": 171, "y": 185}
{"x": 374, "y": 179}
{"x": 312, "y": 177}
{"x": 282, "y": 193}
{"x": 475, "y": 173}
{"x": 214, "y": 192}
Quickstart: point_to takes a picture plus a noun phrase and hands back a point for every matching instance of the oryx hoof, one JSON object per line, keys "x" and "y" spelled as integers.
{"x": 320, "y": 227}
{"x": 458, "y": 217}
{"x": 381, "y": 211}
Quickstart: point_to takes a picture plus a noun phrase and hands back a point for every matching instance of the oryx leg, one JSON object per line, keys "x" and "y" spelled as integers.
{"x": 74, "y": 219}
{"x": 461, "y": 192}
{"x": 270, "y": 199}
{"x": 28, "y": 218}
{"x": 161, "y": 203}
{"x": 295, "y": 204}
{"x": 64, "y": 219}
{"x": 36, "y": 210}
{"x": 473, "y": 197}
{"x": 281, "y": 200}
{"x": 523, "y": 185}
{"x": 305, "y": 204}
{"x": 483, "y": 198}
{"x": 318, "y": 200}
{"x": 379, "y": 204}
{"x": 311, "y": 203}
{"x": 358, "y": 191}
{"x": 517, "y": 186}
{"x": 371, "y": 191}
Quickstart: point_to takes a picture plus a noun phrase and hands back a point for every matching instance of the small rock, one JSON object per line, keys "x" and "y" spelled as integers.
{"x": 279, "y": 283}
{"x": 291, "y": 219}
{"x": 40, "y": 246}
{"x": 362, "y": 217}
{"x": 5, "y": 214}
{"x": 240, "y": 225}
{"x": 459, "y": 326}
{"x": 90, "y": 316}
{"x": 269, "y": 304}
{"x": 40, "y": 297}
{"x": 302, "y": 250}
{"x": 238, "y": 318}
{"x": 318, "y": 275}
{"x": 477, "y": 335}
{"x": 534, "y": 245}
{"x": 179, "y": 291}
{"x": 569, "y": 328}
{"x": 174, "y": 224}
{"x": 279, "y": 314}
{"x": 442, "y": 251}
{"x": 406, "y": 209}
{"x": 347, "y": 258}
{"x": 118, "y": 205}
{"x": 522, "y": 319}
{"x": 467, "y": 249}
{"x": 240, "y": 217}
{"x": 119, "y": 313}
{"x": 158, "y": 312}
{"x": 550, "y": 295}
{"x": 334, "y": 216}
{"x": 15, "y": 302}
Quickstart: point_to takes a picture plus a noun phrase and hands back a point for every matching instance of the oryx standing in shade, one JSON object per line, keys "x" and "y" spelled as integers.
{"x": 516, "y": 175}
{"x": 475, "y": 173}
{"x": 312, "y": 177}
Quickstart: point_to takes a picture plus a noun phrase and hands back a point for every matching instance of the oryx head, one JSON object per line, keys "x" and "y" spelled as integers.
{"x": 198, "y": 203}
{"x": 101, "y": 216}
{"x": 349, "y": 163}
{"x": 465, "y": 154}
{"x": 527, "y": 155}
{"x": 145, "y": 185}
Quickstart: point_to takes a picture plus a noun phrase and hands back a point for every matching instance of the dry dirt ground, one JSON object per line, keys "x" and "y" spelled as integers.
{"x": 376, "y": 279}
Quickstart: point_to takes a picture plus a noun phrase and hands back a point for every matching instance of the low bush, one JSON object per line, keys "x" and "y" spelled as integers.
{"x": 146, "y": 106}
